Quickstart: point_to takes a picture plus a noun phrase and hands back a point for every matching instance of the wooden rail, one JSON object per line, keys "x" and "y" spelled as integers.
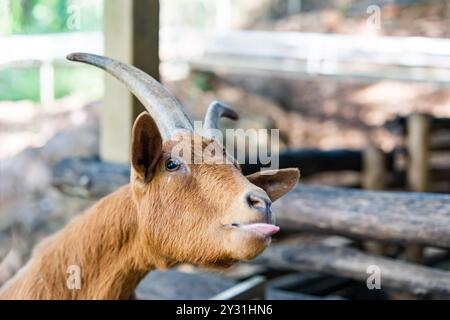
{"x": 421, "y": 219}
{"x": 398, "y": 217}
{"x": 285, "y": 53}
{"x": 297, "y": 55}
{"x": 423, "y": 282}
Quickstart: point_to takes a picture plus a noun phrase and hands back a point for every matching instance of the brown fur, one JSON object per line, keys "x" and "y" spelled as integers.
{"x": 160, "y": 219}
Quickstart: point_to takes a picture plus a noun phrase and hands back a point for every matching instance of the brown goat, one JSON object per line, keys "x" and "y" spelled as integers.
{"x": 172, "y": 211}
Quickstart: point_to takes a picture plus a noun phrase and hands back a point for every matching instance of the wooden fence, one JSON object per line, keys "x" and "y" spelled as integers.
{"x": 291, "y": 54}
{"x": 398, "y": 218}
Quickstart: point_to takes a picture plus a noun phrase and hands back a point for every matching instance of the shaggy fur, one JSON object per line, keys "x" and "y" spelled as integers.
{"x": 161, "y": 218}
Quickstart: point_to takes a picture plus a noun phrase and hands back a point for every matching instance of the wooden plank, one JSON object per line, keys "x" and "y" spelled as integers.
{"x": 418, "y": 151}
{"x": 301, "y": 55}
{"x": 131, "y": 36}
{"x": 374, "y": 178}
{"x": 418, "y": 173}
{"x": 420, "y": 52}
{"x": 398, "y": 125}
{"x": 277, "y": 294}
{"x": 398, "y": 217}
{"x": 422, "y": 281}
{"x": 253, "y": 288}
{"x": 310, "y": 283}
{"x": 312, "y": 161}
{"x": 175, "y": 285}
{"x": 374, "y": 168}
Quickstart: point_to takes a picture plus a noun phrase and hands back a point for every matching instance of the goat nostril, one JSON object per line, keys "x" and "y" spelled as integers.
{"x": 255, "y": 201}
{"x": 258, "y": 202}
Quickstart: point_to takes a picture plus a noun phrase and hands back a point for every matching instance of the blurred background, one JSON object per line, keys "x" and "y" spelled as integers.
{"x": 359, "y": 91}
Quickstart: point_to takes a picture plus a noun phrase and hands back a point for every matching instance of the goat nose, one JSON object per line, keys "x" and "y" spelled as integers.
{"x": 259, "y": 202}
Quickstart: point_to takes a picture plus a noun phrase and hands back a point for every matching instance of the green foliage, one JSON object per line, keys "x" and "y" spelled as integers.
{"x": 19, "y": 84}
{"x": 203, "y": 80}
{"x": 78, "y": 80}
{"x": 23, "y": 84}
{"x": 50, "y": 16}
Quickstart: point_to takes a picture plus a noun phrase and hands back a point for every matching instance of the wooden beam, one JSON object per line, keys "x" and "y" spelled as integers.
{"x": 311, "y": 283}
{"x": 418, "y": 151}
{"x": 374, "y": 178}
{"x": 398, "y": 125}
{"x": 312, "y": 161}
{"x": 346, "y": 262}
{"x": 253, "y": 288}
{"x": 177, "y": 285}
{"x": 396, "y": 217}
{"x": 276, "y": 294}
{"x": 241, "y": 52}
{"x": 131, "y": 36}
{"x": 418, "y": 173}
{"x": 374, "y": 168}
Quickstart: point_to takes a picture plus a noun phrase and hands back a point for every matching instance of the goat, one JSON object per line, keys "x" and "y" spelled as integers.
{"x": 171, "y": 212}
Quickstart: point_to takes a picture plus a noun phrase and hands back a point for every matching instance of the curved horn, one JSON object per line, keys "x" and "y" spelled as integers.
{"x": 162, "y": 106}
{"x": 217, "y": 110}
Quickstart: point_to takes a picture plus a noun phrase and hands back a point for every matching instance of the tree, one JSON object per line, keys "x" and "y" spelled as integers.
{"x": 51, "y": 16}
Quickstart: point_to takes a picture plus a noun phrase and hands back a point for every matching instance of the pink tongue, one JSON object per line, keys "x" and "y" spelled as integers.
{"x": 264, "y": 228}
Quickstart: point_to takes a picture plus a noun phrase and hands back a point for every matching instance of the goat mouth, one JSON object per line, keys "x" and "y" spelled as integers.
{"x": 264, "y": 229}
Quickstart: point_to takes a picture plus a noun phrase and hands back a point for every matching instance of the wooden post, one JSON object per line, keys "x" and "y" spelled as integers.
{"x": 418, "y": 128}
{"x": 131, "y": 35}
{"x": 373, "y": 178}
{"x": 47, "y": 84}
{"x": 374, "y": 168}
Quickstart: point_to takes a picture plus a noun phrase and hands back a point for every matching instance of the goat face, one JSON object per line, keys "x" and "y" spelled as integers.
{"x": 205, "y": 213}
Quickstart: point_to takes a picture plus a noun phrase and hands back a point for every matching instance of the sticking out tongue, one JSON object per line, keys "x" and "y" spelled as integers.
{"x": 264, "y": 228}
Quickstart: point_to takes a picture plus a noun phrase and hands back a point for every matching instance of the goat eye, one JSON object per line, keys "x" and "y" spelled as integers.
{"x": 172, "y": 164}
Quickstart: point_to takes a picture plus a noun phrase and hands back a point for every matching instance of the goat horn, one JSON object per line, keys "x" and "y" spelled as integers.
{"x": 166, "y": 111}
{"x": 217, "y": 110}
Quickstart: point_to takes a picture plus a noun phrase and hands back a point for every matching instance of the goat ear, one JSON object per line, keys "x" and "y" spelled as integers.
{"x": 146, "y": 147}
{"x": 275, "y": 182}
